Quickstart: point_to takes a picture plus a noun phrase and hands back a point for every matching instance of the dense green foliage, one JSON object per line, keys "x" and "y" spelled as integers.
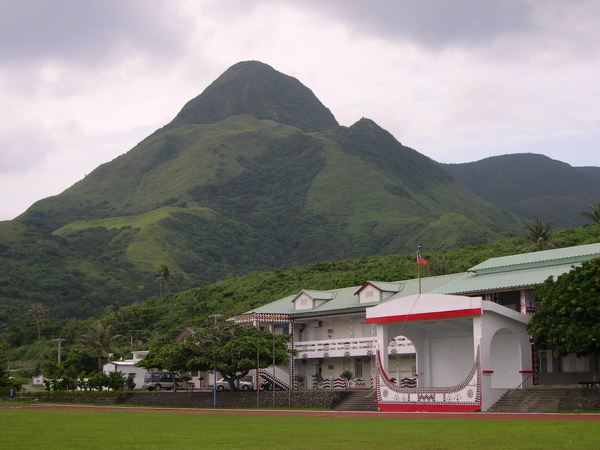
{"x": 139, "y": 324}
{"x": 57, "y": 378}
{"x": 569, "y": 318}
{"x": 41, "y": 267}
{"x": 532, "y": 185}
{"x": 233, "y": 350}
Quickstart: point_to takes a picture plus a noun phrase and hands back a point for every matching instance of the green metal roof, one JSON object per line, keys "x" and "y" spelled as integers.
{"x": 496, "y": 274}
{"x": 319, "y": 295}
{"x": 560, "y": 257}
{"x": 343, "y": 300}
{"x": 516, "y": 279}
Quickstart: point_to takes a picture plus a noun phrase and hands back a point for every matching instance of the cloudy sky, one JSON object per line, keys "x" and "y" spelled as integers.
{"x": 82, "y": 82}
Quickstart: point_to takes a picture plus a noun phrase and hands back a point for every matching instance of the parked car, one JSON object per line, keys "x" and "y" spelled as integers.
{"x": 155, "y": 381}
{"x": 244, "y": 385}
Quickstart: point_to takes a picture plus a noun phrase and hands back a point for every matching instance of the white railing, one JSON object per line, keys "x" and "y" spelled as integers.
{"x": 355, "y": 346}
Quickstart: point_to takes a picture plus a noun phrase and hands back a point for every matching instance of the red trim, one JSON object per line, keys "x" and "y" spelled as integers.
{"x": 487, "y": 371}
{"x": 428, "y": 408}
{"x": 526, "y": 371}
{"x": 190, "y": 331}
{"x": 426, "y": 316}
{"x": 314, "y": 316}
{"x": 367, "y": 283}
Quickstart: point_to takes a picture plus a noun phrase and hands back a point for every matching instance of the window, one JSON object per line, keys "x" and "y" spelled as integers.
{"x": 358, "y": 366}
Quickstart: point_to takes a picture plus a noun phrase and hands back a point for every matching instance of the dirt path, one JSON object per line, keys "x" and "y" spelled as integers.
{"x": 417, "y": 415}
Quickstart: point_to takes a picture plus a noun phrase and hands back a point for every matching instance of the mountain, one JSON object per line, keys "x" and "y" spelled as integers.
{"x": 532, "y": 185}
{"x": 257, "y": 89}
{"x": 253, "y": 174}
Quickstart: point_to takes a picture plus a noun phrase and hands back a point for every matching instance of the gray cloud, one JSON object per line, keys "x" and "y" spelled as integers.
{"x": 434, "y": 24}
{"x": 87, "y": 32}
{"x": 24, "y": 149}
{"x": 457, "y": 80}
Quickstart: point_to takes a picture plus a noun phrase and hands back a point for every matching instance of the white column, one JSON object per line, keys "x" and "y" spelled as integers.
{"x": 382, "y": 344}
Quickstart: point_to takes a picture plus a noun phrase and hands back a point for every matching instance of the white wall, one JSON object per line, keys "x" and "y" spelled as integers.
{"x": 451, "y": 359}
{"x": 505, "y": 358}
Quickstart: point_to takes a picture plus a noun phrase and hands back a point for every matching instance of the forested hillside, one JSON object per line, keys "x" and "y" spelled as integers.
{"x": 252, "y": 175}
{"x": 162, "y": 318}
{"x": 532, "y": 185}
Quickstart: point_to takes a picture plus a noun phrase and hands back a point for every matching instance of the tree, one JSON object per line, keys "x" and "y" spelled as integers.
{"x": 100, "y": 340}
{"x": 4, "y": 372}
{"x": 300, "y": 379}
{"x": 234, "y": 350}
{"x": 165, "y": 275}
{"x": 538, "y": 235}
{"x": 37, "y": 310}
{"x": 114, "y": 309}
{"x": 569, "y": 318}
{"x": 318, "y": 379}
{"x": 347, "y": 375}
{"x": 116, "y": 380}
{"x": 594, "y": 216}
{"x": 172, "y": 356}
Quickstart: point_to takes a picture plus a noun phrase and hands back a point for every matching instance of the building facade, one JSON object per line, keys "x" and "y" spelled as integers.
{"x": 339, "y": 331}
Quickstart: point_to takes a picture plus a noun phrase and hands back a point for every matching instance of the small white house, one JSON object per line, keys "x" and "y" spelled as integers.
{"x": 128, "y": 368}
{"x": 38, "y": 381}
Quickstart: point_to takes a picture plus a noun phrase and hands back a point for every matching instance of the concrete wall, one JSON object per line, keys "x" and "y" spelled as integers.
{"x": 581, "y": 399}
{"x": 226, "y": 399}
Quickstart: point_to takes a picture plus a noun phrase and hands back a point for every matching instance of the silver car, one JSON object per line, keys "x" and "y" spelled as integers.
{"x": 244, "y": 385}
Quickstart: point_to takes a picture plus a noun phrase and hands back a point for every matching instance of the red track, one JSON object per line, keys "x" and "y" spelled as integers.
{"x": 415, "y": 415}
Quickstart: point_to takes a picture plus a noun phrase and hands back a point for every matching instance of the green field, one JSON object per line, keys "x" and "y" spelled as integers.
{"x": 97, "y": 428}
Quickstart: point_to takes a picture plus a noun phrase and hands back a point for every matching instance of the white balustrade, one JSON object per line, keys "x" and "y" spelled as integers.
{"x": 354, "y": 346}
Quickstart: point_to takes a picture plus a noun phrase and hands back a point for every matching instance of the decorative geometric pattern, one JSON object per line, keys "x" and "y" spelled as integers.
{"x": 268, "y": 375}
{"x": 463, "y": 396}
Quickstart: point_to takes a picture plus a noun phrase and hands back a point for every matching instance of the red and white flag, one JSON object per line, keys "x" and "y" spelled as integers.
{"x": 421, "y": 260}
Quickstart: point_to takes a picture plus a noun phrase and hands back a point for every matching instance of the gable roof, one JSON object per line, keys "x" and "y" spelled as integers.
{"x": 496, "y": 274}
{"x": 316, "y": 295}
{"x": 382, "y": 286}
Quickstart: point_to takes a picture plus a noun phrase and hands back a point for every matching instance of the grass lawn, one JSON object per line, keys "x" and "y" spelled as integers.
{"x": 62, "y": 429}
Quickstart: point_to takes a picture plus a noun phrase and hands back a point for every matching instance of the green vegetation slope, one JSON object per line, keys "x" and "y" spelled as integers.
{"x": 532, "y": 185}
{"x": 252, "y": 175}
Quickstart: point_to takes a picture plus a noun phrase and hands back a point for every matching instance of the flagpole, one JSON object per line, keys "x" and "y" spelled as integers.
{"x": 419, "y": 267}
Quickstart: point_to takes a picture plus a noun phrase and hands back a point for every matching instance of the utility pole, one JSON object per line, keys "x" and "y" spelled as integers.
{"x": 273, "y": 384}
{"x": 60, "y": 341}
{"x": 216, "y": 317}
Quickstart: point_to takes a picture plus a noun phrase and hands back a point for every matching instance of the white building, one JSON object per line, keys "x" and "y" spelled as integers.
{"x": 128, "y": 369}
{"x": 461, "y": 340}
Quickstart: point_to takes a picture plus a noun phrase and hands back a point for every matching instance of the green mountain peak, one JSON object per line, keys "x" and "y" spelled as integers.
{"x": 256, "y": 89}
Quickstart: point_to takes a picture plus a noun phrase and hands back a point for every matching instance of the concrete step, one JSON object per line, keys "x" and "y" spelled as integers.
{"x": 359, "y": 401}
{"x": 531, "y": 400}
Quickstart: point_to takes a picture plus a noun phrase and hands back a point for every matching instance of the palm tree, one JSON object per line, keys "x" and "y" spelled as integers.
{"x": 99, "y": 340}
{"x": 37, "y": 310}
{"x": 115, "y": 310}
{"x": 539, "y": 236}
{"x": 165, "y": 275}
{"x": 594, "y": 216}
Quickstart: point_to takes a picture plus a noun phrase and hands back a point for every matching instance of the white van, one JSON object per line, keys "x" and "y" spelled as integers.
{"x": 155, "y": 381}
